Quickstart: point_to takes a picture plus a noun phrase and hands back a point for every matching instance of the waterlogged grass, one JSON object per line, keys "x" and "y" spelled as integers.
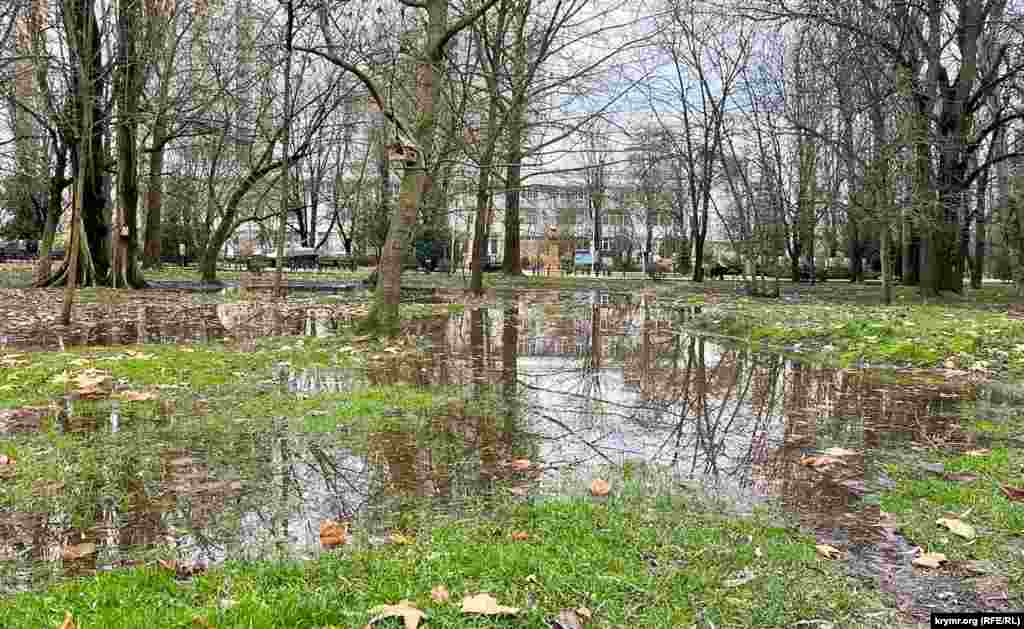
{"x": 631, "y": 562}
{"x": 968, "y": 486}
{"x": 916, "y": 335}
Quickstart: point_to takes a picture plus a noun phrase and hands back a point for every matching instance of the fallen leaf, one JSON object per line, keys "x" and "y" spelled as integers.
{"x": 77, "y": 551}
{"x": 519, "y": 465}
{"x": 137, "y": 396}
{"x": 981, "y": 452}
{"x": 566, "y": 619}
{"x": 757, "y": 552}
{"x": 404, "y": 610}
{"x": 829, "y": 552}
{"x": 399, "y": 538}
{"x": 200, "y": 621}
{"x": 958, "y": 527}
{"x": 585, "y": 612}
{"x": 440, "y": 594}
{"x": 929, "y": 560}
{"x": 840, "y": 452}
{"x": 520, "y": 536}
{"x": 69, "y": 621}
{"x": 599, "y": 487}
{"x": 1013, "y": 493}
{"x": 486, "y": 605}
{"x": 821, "y": 461}
{"x": 333, "y": 534}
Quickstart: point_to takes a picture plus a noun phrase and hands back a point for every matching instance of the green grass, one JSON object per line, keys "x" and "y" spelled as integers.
{"x": 632, "y": 562}
{"x": 919, "y": 335}
{"x": 920, "y": 498}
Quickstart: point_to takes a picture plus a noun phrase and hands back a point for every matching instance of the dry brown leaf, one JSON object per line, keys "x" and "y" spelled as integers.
{"x": 929, "y": 560}
{"x": 333, "y": 534}
{"x": 200, "y": 621}
{"x": 840, "y": 452}
{"x": 404, "y": 610}
{"x": 519, "y": 465}
{"x": 567, "y": 619}
{"x": 599, "y": 487}
{"x": 77, "y": 551}
{"x": 1013, "y": 493}
{"x": 137, "y": 396}
{"x": 440, "y": 594}
{"x": 520, "y": 536}
{"x": 958, "y": 527}
{"x": 821, "y": 461}
{"x": 486, "y": 605}
{"x": 69, "y": 621}
{"x": 585, "y": 612}
{"x": 829, "y": 552}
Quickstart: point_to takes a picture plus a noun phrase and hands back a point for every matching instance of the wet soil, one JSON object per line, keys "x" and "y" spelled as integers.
{"x": 553, "y": 389}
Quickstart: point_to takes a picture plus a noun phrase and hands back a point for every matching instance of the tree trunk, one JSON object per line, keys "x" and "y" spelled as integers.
{"x": 88, "y": 157}
{"x": 152, "y": 249}
{"x": 129, "y": 82}
{"x": 476, "y": 282}
{"x": 54, "y": 207}
{"x": 512, "y": 262}
{"x": 286, "y": 189}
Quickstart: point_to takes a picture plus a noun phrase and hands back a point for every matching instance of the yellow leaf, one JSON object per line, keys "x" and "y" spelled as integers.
{"x": 599, "y": 487}
{"x": 520, "y": 536}
{"x": 957, "y": 527}
{"x": 404, "y": 610}
{"x": 486, "y": 605}
{"x": 929, "y": 560}
{"x": 829, "y": 552}
{"x": 69, "y": 621}
{"x": 399, "y": 538}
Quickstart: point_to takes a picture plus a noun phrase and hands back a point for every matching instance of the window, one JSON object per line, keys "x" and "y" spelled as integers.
{"x": 606, "y": 244}
{"x": 532, "y": 218}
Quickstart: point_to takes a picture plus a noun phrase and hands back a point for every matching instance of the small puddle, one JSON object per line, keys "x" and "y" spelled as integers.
{"x": 578, "y": 384}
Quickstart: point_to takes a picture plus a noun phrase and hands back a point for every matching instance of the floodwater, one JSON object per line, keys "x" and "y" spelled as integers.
{"x": 547, "y": 391}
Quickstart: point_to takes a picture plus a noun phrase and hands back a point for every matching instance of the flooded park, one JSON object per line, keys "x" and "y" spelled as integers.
{"x": 534, "y": 395}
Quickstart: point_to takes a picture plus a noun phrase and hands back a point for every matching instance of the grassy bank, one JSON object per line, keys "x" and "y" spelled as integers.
{"x": 977, "y": 335}
{"x": 629, "y": 561}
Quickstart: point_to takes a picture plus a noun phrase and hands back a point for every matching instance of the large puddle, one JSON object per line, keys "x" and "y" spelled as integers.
{"x": 545, "y": 393}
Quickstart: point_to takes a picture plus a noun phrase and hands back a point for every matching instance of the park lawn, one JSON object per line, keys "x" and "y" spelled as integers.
{"x": 980, "y": 335}
{"x": 626, "y": 560}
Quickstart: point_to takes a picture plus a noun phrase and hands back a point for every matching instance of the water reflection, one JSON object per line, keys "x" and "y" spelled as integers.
{"x": 572, "y": 382}
{"x": 192, "y": 323}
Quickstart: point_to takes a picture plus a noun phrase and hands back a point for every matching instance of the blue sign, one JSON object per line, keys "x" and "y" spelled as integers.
{"x": 583, "y": 257}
